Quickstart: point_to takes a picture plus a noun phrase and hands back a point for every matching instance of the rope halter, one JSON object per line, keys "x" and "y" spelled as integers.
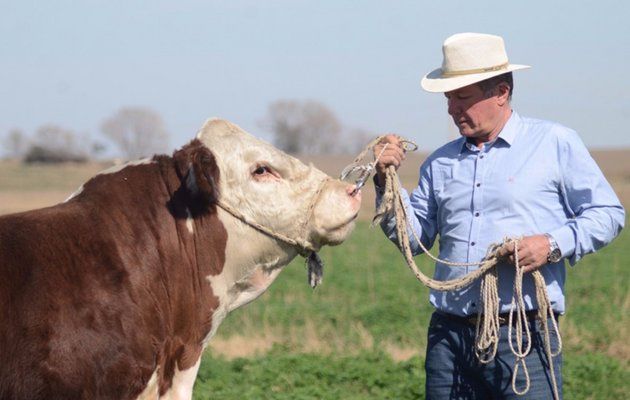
{"x": 304, "y": 246}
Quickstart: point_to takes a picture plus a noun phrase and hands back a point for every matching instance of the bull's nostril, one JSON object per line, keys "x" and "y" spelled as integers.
{"x": 355, "y": 193}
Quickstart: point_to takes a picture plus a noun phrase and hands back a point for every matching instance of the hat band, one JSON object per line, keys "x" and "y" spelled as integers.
{"x": 475, "y": 71}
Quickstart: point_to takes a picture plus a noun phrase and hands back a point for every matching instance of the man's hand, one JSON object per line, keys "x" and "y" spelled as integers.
{"x": 393, "y": 154}
{"x": 532, "y": 252}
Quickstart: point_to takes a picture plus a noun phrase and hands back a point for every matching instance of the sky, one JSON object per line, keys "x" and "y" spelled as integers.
{"x": 75, "y": 63}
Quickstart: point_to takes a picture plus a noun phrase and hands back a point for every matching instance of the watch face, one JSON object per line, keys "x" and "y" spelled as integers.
{"x": 555, "y": 255}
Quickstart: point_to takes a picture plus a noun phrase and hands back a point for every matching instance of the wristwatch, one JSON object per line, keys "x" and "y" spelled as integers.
{"x": 554, "y": 251}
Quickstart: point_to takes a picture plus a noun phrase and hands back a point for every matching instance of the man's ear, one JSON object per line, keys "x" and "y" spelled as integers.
{"x": 202, "y": 177}
{"x": 503, "y": 93}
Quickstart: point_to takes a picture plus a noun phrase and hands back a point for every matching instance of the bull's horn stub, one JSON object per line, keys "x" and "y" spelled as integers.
{"x": 217, "y": 126}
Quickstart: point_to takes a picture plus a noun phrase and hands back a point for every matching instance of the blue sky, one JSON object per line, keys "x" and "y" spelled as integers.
{"x": 74, "y": 63}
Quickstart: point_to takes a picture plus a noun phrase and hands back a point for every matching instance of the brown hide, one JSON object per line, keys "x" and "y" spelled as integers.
{"x": 99, "y": 292}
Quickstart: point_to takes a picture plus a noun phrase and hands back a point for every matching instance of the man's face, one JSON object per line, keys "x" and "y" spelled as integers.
{"x": 475, "y": 114}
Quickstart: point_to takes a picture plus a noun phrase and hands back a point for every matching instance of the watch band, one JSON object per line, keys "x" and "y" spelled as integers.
{"x": 554, "y": 254}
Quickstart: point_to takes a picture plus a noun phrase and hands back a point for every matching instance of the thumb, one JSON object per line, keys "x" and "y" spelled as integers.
{"x": 505, "y": 250}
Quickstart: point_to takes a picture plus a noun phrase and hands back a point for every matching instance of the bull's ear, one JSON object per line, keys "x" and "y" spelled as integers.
{"x": 199, "y": 173}
{"x": 202, "y": 177}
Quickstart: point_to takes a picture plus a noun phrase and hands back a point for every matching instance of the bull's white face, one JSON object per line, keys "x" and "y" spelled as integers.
{"x": 278, "y": 191}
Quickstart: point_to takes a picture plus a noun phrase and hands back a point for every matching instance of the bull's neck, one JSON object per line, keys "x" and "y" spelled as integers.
{"x": 253, "y": 261}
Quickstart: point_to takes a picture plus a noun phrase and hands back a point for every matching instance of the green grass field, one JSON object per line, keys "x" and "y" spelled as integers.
{"x": 362, "y": 333}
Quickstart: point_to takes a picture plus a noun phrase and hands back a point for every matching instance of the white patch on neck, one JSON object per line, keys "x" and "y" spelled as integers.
{"x": 189, "y": 222}
{"x": 243, "y": 277}
{"x": 253, "y": 285}
{"x": 234, "y": 291}
{"x": 183, "y": 382}
{"x": 152, "y": 391}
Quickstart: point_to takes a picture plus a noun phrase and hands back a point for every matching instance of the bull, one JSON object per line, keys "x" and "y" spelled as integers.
{"x": 115, "y": 293}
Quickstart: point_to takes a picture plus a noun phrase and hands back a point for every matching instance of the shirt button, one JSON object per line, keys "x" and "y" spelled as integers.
{"x": 472, "y": 243}
{"x": 479, "y": 184}
{"x": 476, "y": 214}
{"x": 481, "y": 156}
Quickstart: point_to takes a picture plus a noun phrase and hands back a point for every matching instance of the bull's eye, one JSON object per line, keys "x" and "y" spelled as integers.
{"x": 262, "y": 170}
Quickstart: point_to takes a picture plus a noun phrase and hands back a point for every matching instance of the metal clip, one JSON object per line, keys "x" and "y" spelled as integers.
{"x": 359, "y": 174}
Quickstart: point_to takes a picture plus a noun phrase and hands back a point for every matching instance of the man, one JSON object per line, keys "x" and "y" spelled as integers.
{"x": 506, "y": 176}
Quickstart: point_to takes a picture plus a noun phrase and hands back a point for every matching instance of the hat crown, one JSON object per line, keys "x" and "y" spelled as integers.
{"x": 473, "y": 52}
{"x": 469, "y": 58}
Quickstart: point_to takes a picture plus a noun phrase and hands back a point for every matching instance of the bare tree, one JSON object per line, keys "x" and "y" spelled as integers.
{"x": 303, "y": 126}
{"x": 138, "y": 132}
{"x": 16, "y": 143}
{"x": 52, "y": 143}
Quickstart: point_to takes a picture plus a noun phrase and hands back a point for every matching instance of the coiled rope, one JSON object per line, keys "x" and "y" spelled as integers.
{"x": 487, "y": 327}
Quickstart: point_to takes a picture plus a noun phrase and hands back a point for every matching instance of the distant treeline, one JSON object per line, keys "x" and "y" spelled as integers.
{"x": 297, "y": 126}
{"x": 135, "y": 131}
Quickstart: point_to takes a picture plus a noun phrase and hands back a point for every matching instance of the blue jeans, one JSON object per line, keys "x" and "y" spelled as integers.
{"x": 453, "y": 371}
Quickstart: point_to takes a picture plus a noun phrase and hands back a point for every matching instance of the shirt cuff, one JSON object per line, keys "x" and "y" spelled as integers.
{"x": 378, "y": 188}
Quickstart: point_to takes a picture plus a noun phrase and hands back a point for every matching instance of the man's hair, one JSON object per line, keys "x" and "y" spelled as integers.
{"x": 488, "y": 85}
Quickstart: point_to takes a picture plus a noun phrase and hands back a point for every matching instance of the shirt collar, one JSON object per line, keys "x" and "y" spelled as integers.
{"x": 507, "y": 134}
{"x": 509, "y": 131}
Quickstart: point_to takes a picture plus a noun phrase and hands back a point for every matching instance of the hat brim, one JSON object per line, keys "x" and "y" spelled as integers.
{"x": 434, "y": 82}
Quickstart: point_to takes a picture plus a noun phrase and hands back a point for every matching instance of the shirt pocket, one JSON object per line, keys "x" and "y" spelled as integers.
{"x": 442, "y": 174}
{"x": 526, "y": 190}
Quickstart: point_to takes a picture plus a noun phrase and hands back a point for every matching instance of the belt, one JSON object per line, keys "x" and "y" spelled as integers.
{"x": 471, "y": 320}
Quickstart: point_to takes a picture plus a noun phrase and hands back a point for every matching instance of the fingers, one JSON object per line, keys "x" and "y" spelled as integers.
{"x": 389, "y": 151}
{"x": 390, "y": 138}
{"x": 532, "y": 252}
{"x": 529, "y": 264}
{"x": 506, "y": 250}
{"x": 530, "y": 268}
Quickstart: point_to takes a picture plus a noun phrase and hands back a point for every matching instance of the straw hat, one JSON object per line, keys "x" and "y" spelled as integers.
{"x": 469, "y": 58}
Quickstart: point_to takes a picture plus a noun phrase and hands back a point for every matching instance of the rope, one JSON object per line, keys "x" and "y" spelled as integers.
{"x": 487, "y": 327}
{"x": 314, "y": 264}
{"x": 303, "y": 246}
{"x": 302, "y": 243}
{"x": 311, "y": 206}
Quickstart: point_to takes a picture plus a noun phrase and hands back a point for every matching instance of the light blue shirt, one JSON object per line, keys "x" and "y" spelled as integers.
{"x": 536, "y": 177}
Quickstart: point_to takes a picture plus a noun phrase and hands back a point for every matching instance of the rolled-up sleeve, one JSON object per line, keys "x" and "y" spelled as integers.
{"x": 597, "y": 215}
